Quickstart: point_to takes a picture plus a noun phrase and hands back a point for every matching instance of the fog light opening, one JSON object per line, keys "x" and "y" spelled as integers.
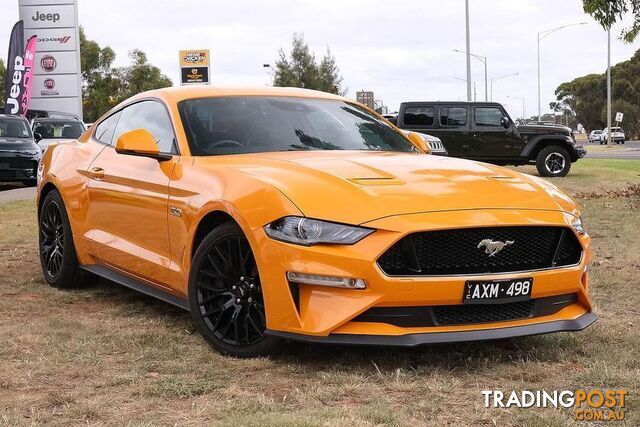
{"x": 331, "y": 281}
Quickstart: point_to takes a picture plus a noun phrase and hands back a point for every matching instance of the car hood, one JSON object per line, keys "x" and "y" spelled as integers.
{"x": 356, "y": 187}
{"x": 17, "y": 144}
{"x": 545, "y": 129}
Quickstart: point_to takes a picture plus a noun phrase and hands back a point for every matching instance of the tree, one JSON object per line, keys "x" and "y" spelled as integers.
{"x": 608, "y": 12}
{"x": 300, "y": 69}
{"x": 586, "y": 96}
{"x": 140, "y": 76}
{"x": 104, "y": 86}
{"x": 3, "y": 73}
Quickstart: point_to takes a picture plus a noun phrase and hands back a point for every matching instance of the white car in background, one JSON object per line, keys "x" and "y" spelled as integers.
{"x": 434, "y": 143}
{"x": 50, "y": 130}
{"x": 617, "y": 135}
{"x": 594, "y": 136}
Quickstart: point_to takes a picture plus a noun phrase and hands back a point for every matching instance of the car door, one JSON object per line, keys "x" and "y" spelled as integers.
{"x": 493, "y": 139}
{"x": 453, "y": 130}
{"x": 128, "y": 197}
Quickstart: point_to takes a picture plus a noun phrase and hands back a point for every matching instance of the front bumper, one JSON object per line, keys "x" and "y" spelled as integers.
{"x": 580, "y": 151}
{"x": 18, "y": 168}
{"x": 414, "y": 340}
{"x": 323, "y": 314}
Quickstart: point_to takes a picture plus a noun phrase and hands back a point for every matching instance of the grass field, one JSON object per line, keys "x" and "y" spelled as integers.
{"x": 107, "y": 355}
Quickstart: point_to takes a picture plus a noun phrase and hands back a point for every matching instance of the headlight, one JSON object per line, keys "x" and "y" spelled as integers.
{"x": 307, "y": 231}
{"x": 578, "y": 226}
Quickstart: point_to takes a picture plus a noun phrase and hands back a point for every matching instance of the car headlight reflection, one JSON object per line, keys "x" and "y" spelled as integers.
{"x": 578, "y": 226}
{"x": 307, "y": 231}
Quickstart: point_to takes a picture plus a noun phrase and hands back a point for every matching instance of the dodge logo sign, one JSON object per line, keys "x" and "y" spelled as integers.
{"x": 63, "y": 39}
{"x": 48, "y": 63}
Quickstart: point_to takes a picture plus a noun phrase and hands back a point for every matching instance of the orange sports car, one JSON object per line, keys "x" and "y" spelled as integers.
{"x": 276, "y": 214}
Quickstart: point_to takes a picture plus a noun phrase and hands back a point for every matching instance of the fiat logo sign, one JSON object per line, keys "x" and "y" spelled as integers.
{"x": 49, "y": 83}
{"x": 48, "y": 63}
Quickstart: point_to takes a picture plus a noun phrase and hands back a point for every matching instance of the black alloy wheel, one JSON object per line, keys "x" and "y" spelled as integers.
{"x": 225, "y": 295}
{"x": 51, "y": 239}
{"x": 553, "y": 161}
{"x": 58, "y": 259}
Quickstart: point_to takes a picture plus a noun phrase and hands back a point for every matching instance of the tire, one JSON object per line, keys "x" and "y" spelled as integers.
{"x": 58, "y": 258}
{"x": 225, "y": 295}
{"x": 553, "y": 161}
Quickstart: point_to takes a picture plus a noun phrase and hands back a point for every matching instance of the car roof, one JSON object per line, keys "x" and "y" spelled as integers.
{"x": 464, "y": 103}
{"x": 56, "y": 119}
{"x": 11, "y": 116}
{"x": 181, "y": 93}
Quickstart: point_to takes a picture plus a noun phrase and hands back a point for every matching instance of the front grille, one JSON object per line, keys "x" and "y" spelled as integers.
{"x": 466, "y": 314}
{"x": 482, "y": 313}
{"x": 453, "y": 252}
{"x": 17, "y": 163}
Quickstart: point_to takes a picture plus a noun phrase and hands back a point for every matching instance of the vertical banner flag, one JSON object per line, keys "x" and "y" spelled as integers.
{"x": 27, "y": 79}
{"x": 15, "y": 71}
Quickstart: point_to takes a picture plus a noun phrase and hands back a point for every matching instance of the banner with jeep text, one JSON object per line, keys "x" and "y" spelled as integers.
{"x": 13, "y": 89}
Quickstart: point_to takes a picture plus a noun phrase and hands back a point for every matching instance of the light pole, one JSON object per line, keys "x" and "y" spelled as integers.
{"x": 482, "y": 59}
{"x": 524, "y": 114}
{"x": 493, "y": 79}
{"x": 542, "y": 35}
{"x": 466, "y": 10}
{"x": 474, "y": 87}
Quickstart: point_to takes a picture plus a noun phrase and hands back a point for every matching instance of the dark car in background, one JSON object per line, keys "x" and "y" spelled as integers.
{"x": 484, "y": 131}
{"x": 19, "y": 153}
{"x": 50, "y": 130}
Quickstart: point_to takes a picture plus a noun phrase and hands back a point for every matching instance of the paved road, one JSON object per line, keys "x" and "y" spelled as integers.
{"x": 630, "y": 150}
{"x": 13, "y": 193}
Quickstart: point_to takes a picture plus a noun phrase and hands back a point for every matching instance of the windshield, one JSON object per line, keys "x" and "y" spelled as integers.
{"x": 235, "y": 125}
{"x": 14, "y": 128}
{"x": 64, "y": 129}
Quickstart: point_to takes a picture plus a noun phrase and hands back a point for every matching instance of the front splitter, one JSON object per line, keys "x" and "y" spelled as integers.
{"x": 414, "y": 340}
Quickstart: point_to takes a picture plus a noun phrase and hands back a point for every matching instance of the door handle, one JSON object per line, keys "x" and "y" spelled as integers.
{"x": 96, "y": 173}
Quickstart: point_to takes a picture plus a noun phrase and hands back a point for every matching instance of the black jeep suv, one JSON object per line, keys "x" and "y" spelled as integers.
{"x": 484, "y": 131}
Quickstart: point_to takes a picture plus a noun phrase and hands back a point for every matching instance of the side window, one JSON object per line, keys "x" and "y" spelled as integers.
{"x": 152, "y": 116}
{"x": 453, "y": 116}
{"x": 419, "y": 116}
{"x": 106, "y": 128}
{"x": 488, "y": 116}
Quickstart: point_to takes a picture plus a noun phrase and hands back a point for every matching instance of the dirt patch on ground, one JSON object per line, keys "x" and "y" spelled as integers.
{"x": 632, "y": 190}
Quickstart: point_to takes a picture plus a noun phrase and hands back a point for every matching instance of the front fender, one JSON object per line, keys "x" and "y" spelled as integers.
{"x": 535, "y": 141}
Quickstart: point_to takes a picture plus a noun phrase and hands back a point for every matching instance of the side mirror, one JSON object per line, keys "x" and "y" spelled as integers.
{"x": 37, "y": 137}
{"x": 505, "y": 122}
{"x": 419, "y": 142}
{"x": 140, "y": 142}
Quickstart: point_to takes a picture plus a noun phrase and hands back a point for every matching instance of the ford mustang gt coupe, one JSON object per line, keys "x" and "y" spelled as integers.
{"x": 278, "y": 214}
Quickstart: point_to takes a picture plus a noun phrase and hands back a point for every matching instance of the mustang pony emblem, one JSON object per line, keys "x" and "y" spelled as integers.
{"x": 492, "y": 248}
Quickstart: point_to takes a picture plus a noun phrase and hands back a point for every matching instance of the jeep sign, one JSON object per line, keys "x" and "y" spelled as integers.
{"x": 57, "y": 80}
{"x": 48, "y": 16}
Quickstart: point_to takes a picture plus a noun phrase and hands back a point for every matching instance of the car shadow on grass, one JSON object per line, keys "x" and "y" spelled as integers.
{"x": 381, "y": 361}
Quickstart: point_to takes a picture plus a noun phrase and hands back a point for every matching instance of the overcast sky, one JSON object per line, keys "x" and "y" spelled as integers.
{"x": 402, "y": 50}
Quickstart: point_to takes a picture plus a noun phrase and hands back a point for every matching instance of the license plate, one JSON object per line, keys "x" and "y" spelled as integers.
{"x": 497, "y": 291}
